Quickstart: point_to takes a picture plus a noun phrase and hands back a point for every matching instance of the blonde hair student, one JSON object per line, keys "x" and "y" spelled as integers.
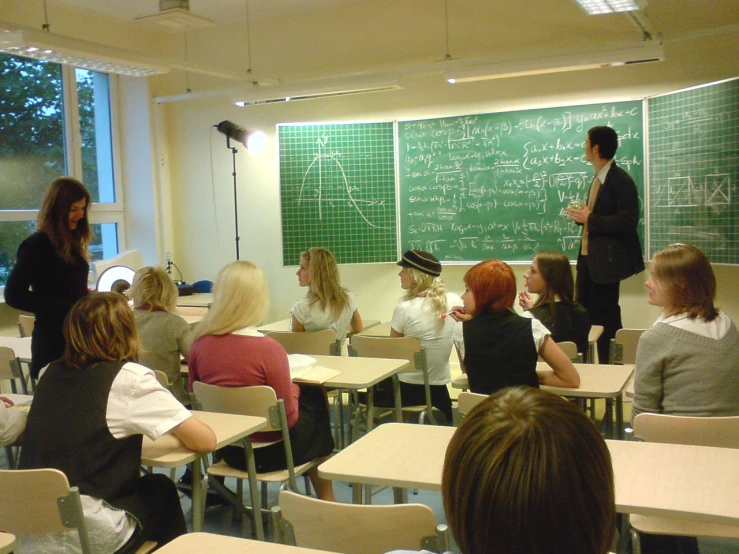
{"x": 327, "y": 305}
{"x": 164, "y": 335}
{"x": 90, "y": 411}
{"x": 230, "y": 352}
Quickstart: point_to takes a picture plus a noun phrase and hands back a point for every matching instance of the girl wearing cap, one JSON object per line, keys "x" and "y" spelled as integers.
{"x": 327, "y": 305}
{"x": 422, "y": 313}
{"x": 500, "y": 347}
{"x": 550, "y": 277}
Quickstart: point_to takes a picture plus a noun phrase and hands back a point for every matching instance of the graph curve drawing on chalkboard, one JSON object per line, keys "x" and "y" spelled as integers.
{"x": 337, "y": 187}
{"x": 693, "y": 170}
{"x": 495, "y": 185}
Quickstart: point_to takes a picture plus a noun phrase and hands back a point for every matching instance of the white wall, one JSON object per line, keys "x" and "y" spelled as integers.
{"x": 203, "y": 212}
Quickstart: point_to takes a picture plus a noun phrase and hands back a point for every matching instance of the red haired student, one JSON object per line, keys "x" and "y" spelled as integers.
{"x": 500, "y": 348}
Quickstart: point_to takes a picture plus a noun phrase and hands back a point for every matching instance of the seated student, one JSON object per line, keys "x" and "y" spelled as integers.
{"x": 164, "y": 335}
{"x": 87, "y": 419}
{"x": 687, "y": 363}
{"x": 12, "y": 422}
{"x": 422, "y": 313}
{"x": 527, "y": 472}
{"x": 550, "y": 277}
{"x": 500, "y": 348}
{"x": 229, "y": 352}
{"x": 327, "y": 305}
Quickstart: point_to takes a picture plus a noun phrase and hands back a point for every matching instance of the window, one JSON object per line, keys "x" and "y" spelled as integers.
{"x": 55, "y": 120}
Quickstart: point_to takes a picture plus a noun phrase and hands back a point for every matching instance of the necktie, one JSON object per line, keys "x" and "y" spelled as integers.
{"x": 594, "y": 189}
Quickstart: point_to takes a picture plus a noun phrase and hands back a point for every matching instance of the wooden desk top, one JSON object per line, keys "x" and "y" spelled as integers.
{"x": 359, "y": 373}
{"x": 690, "y": 482}
{"x": 596, "y": 381}
{"x": 20, "y": 345}
{"x": 168, "y": 451}
{"x": 286, "y": 325}
{"x": 7, "y": 543}
{"x": 196, "y": 543}
{"x": 199, "y": 299}
{"x": 379, "y": 330}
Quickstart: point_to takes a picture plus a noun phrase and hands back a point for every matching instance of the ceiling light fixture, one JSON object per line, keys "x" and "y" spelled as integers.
{"x": 598, "y": 7}
{"x": 316, "y": 88}
{"x": 536, "y": 66}
{"x": 50, "y": 47}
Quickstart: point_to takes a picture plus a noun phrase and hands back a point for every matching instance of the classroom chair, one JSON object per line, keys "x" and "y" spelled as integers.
{"x": 466, "y": 401}
{"x": 26, "y": 324}
{"x": 354, "y": 528}
{"x": 7, "y": 542}
{"x": 316, "y": 343}
{"x": 203, "y": 286}
{"x": 699, "y": 431}
{"x": 10, "y": 369}
{"x": 41, "y": 501}
{"x": 259, "y": 401}
{"x": 399, "y": 348}
{"x": 595, "y": 332}
{"x": 623, "y": 346}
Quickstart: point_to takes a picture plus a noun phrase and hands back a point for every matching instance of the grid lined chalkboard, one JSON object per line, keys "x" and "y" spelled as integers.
{"x": 693, "y": 170}
{"x": 495, "y": 185}
{"x": 337, "y": 188}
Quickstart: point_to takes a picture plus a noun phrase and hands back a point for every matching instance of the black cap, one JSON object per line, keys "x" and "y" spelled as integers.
{"x": 422, "y": 261}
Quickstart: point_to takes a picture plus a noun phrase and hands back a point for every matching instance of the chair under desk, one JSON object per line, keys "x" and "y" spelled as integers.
{"x": 669, "y": 480}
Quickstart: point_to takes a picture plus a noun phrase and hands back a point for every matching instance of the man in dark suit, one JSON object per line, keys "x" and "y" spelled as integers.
{"x": 610, "y": 250}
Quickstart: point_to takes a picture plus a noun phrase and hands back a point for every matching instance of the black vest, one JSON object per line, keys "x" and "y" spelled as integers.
{"x": 67, "y": 430}
{"x": 570, "y": 323}
{"x": 499, "y": 352}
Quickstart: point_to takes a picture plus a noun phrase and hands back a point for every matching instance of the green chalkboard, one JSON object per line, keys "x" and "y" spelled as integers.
{"x": 337, "y": 188}
{"x": 693, "y": 170}
{"x": 494, "y": 185}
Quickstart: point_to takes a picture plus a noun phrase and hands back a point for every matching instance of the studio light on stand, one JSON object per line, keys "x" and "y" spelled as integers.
{"x": 254, "y": 141}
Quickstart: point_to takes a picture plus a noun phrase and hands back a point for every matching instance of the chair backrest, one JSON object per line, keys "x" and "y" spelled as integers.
{"x": 595, "y": 332}
{"x": 396, "y": 348}
{"x": 25, "y": 325}
{"x": 468, "y": 400}
{"x": 10, "y": 368}
{"x": 699, "y": 431}
{"x": 40, "y": 501}
{"x": 319, "y": 343}
{"x": 357, "y": 529}
{"x": 570, "y": 348}
{"x": 162, "y": 378}
{"x": 260, "y": 401}
{"x": 623, "y": 346}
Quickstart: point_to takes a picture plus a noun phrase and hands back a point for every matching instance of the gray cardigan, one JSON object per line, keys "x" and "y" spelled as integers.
{"x": 682, "y": 373}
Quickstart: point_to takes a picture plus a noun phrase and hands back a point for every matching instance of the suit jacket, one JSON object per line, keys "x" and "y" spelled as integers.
{"x": 614, "y": 250}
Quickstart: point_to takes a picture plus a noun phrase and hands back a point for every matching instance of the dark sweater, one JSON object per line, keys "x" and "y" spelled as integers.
{"x": 43, "y": 283}
{"x": 570, "y": 323}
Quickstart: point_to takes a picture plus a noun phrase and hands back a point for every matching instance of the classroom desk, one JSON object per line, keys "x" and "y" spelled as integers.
{"x": 596, "y": 381}
{"x": 688, "y": 482}
{"x": 286, "y": 325}
{"x": 169, "y": 452}
{"x": 197, "y": 543}
{"x": 197, "y": 300}
{"x": 379, "y": 330}
{"x": 7, "y": 543}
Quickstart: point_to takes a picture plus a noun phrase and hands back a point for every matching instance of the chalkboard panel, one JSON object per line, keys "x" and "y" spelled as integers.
{"x": 693, "y": 170}
{"x": 337, "y": 188}
{"x": 494, "y": 185}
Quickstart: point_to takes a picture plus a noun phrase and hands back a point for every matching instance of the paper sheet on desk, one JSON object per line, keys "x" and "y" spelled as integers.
{"x": 303, "y": 369}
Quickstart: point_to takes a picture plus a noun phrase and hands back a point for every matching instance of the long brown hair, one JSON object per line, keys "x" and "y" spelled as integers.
{"x": 528, "y": 472}
{"x": 53, "y": 218}
{"x": 325, "y": 283}
{"x": 554, "y": 268}
{"x": 687, "y": 279}
{"x": 100, "y": 327}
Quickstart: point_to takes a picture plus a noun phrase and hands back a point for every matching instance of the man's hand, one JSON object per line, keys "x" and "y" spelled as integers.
{"x": 579, "y": 216}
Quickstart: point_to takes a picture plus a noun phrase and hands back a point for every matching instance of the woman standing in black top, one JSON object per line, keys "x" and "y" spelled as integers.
{"x": 550, "y": 276}
{"x": 50, "y": 274}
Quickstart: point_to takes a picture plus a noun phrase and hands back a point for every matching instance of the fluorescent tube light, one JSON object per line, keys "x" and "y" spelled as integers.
{"x": 51, "y": 47}
{"x": 598, "y": 7}
{"x": 535, "y": 66}
{"x": 316, "y": 88}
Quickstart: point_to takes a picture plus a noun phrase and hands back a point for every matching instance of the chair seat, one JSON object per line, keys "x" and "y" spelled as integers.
{"x": 687, "y": 528}
{"x": 222, "y": 469}
{"x": 461, "y": 382}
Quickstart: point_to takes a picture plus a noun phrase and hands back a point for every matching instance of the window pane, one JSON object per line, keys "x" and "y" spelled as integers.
{"x": 32, "y": 150}
{"x": 93, "y": 91}
{"x": 104, "y": 242}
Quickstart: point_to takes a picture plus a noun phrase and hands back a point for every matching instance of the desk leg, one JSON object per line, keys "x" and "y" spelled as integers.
{"x": 256, "y": 503}
{"x": 608, "y": 415}
{"x": 197, "y": 495}
{"x": 396, "y": 397}
{"x": 400, "y": 495}
{"x": 620, "y": 416}
{"x": 370, "y": 408}
{"x": 357, "y": 493}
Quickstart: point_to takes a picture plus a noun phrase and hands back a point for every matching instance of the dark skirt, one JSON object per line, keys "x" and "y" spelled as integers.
{"x": 310, "y": 437}
{"x": 411, "y": 395}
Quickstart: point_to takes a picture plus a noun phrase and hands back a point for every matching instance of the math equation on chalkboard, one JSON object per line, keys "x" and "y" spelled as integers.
{"x": 484, "y": 186}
